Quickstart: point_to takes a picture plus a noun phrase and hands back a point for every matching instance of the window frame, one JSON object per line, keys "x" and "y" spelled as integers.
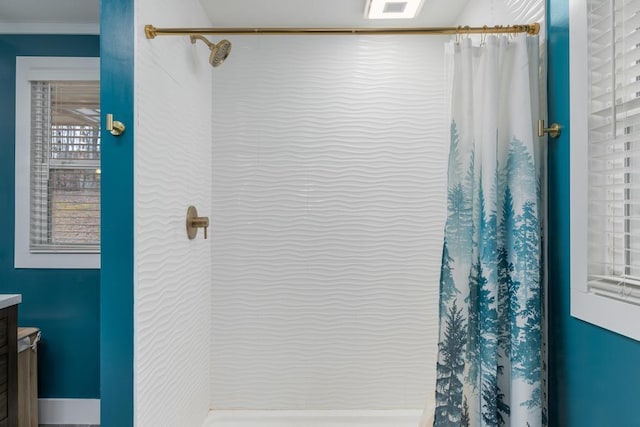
{"x": 612, "y": 314}
{"x": 27, "y": 70}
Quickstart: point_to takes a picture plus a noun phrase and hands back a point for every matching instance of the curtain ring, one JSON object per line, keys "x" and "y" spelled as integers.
{"x": 458, "y": 34}
{"x": 483, "y": 37}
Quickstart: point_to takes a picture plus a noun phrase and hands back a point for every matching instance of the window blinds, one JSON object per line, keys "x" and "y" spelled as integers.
{"x": 65, "y": 167}
{"x": 614, "y": 149}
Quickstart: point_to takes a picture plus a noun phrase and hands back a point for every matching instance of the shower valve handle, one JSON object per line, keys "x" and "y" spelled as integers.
{"x": 201, "y": 222}
{"x": 194, "y": 222}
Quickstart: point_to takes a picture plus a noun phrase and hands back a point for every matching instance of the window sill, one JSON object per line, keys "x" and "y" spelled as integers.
{"x": 616, "y": 316}
{"x": 25, "y": 259}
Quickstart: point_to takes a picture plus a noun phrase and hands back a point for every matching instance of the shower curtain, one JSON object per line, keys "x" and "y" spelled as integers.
{"x": 489, "y": 369}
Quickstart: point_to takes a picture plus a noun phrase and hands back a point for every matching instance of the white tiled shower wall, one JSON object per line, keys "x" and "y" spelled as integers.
{"x": 329, "y": 176}
{"x": 504, "y": 12}
{"x": 172, "y": 171}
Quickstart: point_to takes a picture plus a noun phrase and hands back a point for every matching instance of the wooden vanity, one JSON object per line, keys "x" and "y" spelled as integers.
{"x": 9, "y": 360}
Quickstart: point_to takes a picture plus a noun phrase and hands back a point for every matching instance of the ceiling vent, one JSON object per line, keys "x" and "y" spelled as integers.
{"x": 389, "y": 9}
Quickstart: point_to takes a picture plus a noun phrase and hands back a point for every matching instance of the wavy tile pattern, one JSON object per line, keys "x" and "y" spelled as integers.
{"x": 172, "y": 171}
{"x": 526, "y": 10}
{"x": 504, "y": 12}
{"x": 329, "y": 175}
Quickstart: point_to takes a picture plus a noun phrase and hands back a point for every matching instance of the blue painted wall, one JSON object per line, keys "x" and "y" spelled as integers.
{"x": 594, "y": 376}
{"x": 64, "y": 304}
{"x": 116, "y": 294}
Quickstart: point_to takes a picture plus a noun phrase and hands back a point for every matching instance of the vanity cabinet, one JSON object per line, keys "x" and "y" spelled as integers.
{"x": 9, "y": 366}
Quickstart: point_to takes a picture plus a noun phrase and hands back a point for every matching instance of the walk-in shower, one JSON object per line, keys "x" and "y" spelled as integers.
{"x": 321, "y": 162}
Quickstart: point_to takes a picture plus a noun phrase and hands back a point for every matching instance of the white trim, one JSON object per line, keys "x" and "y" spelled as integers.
{"x": 611, "y": 314}
{"x": 49, "y": 28}
{"x": 391, "y": 418}
{"x": 41, "y": 68}
{"x": 578, "y": 147}
{"x": 69, "y": 411}
{"x": 599, "y": 310}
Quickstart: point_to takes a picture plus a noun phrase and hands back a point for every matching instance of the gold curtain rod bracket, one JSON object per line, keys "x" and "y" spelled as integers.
{"x": 152, "y": 32}
{"x": 534, "y": 29}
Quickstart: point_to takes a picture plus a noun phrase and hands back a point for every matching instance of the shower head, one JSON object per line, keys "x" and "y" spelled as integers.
{"x": 219, "y": 51}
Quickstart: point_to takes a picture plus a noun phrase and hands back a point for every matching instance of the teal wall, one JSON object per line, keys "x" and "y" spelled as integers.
{"x": 116, "y": 293}
{"x": 594, "y": 375}
{"x": 64, "y": 304}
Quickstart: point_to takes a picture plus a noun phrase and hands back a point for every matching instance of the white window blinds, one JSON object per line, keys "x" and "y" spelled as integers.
{"x": 614, "y": 149}
{"x": 65, "y": 167}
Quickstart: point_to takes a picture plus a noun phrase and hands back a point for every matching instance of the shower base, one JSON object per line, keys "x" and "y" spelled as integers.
{"x": 404, "y": 418}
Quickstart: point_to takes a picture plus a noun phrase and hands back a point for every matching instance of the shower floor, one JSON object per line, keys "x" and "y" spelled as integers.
{"x": 404, "y": 418}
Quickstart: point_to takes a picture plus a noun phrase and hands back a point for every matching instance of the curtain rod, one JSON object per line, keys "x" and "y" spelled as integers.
{"x": 531, "y": 29}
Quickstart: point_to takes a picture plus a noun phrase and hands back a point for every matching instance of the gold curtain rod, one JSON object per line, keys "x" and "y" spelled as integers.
{"x": 531, "y": 29}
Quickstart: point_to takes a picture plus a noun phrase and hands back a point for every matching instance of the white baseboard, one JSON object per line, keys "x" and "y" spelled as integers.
{"x": 400, "y": 418}
{"x": 69, "y": 411}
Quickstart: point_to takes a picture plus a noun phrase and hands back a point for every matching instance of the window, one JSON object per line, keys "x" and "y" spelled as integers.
{"x": 57, "y": 163}
{"x": 605, "y": 164}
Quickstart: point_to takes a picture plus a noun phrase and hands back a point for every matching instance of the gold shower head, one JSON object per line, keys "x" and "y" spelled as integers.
{"x": 219, "y": 51}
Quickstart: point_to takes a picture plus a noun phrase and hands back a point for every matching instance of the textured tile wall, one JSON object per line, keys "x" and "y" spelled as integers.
{"x": 329, "y": 174}
{"x": 172, "y": 171}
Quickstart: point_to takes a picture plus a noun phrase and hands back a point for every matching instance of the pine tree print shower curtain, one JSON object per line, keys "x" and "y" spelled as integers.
{"x": 489, "y": 370}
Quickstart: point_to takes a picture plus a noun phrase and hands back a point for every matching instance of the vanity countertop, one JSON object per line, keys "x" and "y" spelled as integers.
{"x": 7, "y": 300}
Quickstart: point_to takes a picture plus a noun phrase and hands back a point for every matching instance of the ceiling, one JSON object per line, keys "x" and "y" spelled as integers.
{"x": 321, "y": 13}
{"x": 36, "y": 16}
{"x": 82, "y": 16}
